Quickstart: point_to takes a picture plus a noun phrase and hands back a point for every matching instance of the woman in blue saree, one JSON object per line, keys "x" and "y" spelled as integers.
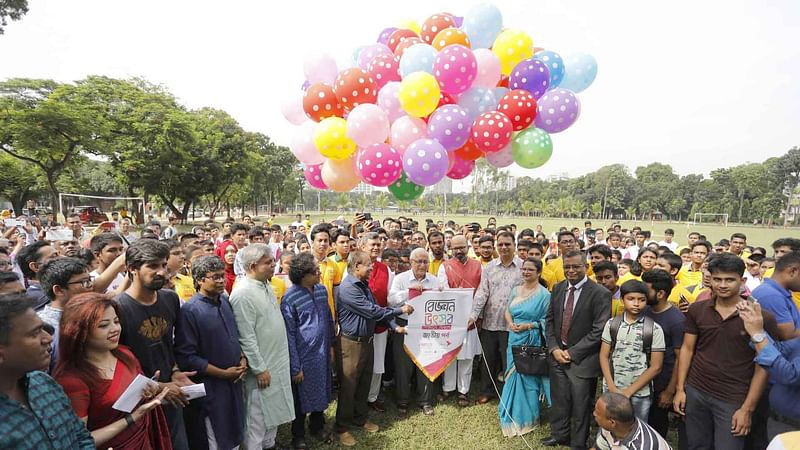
{"x": 525, "y": 316}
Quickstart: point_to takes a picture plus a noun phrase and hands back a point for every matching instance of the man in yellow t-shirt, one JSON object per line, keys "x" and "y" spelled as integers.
{"x": 738, "y": 243}
{"x": 436, "y": 244}
{"x": 485, "y": 250}
{"x": 320, "y": 243}
{"x": 692, "y": 274}
{"x": 341, "y": 250}
{"x": 672, "y": 263}
{"x": 566, "y": 243}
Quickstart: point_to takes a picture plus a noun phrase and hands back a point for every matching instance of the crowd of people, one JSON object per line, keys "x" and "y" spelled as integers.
{"x": 277, "y": 321}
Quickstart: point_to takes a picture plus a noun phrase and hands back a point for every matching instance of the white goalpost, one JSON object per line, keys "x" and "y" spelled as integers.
{"x": 131, "y": 204}
{"x": 721, "y": 218}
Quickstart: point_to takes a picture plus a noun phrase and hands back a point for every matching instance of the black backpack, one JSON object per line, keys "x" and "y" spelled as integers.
{"x": 647, "y": 334}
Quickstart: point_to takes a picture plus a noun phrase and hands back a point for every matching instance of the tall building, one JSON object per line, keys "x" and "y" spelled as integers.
{"x": 364, "y": 188}
{"x": 443, "y": 187}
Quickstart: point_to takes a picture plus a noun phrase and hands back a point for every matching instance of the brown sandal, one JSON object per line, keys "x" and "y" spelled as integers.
{"x": 463, "y": 401}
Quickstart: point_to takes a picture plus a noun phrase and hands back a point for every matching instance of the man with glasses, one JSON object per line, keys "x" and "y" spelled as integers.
{"x": 553, "y": 272}
{"x": 491, "y": 302}
{"x": 417, "y": 280}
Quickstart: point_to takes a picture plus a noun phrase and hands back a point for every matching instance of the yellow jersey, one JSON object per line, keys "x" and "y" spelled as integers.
{"x": 328, "y": 271}
{"x": 433, "y": 266}
{"x": 184, "y": 287}
{"x": 279, "y": 286}
{"x": 626, "y": 277}
{"x": 688, "y": 277}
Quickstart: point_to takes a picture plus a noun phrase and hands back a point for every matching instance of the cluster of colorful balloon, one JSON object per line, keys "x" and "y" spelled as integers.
{"x": 425, "y": 102}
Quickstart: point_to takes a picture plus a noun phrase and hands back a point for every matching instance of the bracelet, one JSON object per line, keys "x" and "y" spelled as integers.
{"x": 129, "y": 419}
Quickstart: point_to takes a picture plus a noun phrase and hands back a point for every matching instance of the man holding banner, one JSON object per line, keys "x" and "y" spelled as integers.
{"x": 461, "y": 272}
{"x": 410, "y": 284}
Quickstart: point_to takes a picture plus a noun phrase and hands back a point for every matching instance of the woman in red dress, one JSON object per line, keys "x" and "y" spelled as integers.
{"x": 95, "y": 370}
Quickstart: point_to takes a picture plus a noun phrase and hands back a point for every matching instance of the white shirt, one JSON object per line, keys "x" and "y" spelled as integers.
{"x": 118, "y": 280}
{"x": 398, "y": 294}
{"x": 671, "y": 245}
{"x": 577, "y": 295}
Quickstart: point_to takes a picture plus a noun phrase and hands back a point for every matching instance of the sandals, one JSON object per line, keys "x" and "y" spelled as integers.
{"x": 463, "y": 401}
{"x": 299, "y": 444}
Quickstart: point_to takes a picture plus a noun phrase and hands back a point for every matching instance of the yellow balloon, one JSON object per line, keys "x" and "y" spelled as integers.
{"x": 340, "y": 175}
{"x": 330, "y": 137}
{"x": 410, "y": 24}
{"x": 419, "y": 94}
{"x": 511, "y": 47}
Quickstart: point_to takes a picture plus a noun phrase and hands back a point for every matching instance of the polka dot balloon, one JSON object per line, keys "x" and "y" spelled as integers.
{"x": 330, "y": 137}
{"x": 398, "y": 36}
{"x": 455, "y": 69}
{"x": 459, "y": 168}
{"x": 340, "y": 175}
{"x": 320, "y": 102}
{"x": 369, "y": 52}
{"x": 520, "y": 107}
{"x": 491, "y": 131}
{"x": 383, "y": 38}
{"x": 425, "y": 162}
{"x": 501, "y": 159}
{"x": 353, "y": 87}
{"x": 383, "y": 69}
{"x": 554, "y": 64}
{"x": 451, "y": 36}
{"x": 405, "y": 190}
{"x": 405, "y": 44}
{"x": 379, "y": 164}
{"x": 434, "y": 24}
{"x": 469, "y": 151}
{"x": 419, "y": 94}
{"x": 313, "y": 174}
{"x": 450, "y": 125}
{"x": 418, "y": 58}
{"x": 406, "y": 130}
{"x": 389, "y": 102}
{"x": 532, "y": 148}
{"x": 531, "y": 75}
{"x": 511, "y": 47}
{"x": 557, "y": 110}
{"x": 477, "y": 101}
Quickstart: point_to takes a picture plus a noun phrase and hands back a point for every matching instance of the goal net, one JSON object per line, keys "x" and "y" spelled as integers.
{"x": 710, "y": 218}
{"x": 96, "y": 209}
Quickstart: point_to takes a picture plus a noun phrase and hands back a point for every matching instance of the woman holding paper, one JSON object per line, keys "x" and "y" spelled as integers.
{"x": 525, "y": 316}
{"x": 95, "y": 370}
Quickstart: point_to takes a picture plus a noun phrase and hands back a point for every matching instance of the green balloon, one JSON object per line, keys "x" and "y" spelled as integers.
{"x": 532, "y": 148}
{"x": 405, "y": 190}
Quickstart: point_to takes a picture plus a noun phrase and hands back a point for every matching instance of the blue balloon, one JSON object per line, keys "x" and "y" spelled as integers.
{"x": 499, "y": 92}
{"x": 482, "y": 23}
{"x": 477, "y": 101}
{"x": 580, "y": 70}
{"x": 554, "y": 63}
{"x": 417, "y": 58}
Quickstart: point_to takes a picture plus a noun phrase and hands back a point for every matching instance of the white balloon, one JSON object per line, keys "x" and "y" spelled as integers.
{"x": 292, "y": 108}
{"x": 320, "y": 68}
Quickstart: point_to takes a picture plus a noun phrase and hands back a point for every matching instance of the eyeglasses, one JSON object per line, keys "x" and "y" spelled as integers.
{"x": 86, "y": 282}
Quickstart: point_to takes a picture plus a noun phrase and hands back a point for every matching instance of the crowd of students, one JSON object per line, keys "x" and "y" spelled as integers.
{"x": 276, "y": 321}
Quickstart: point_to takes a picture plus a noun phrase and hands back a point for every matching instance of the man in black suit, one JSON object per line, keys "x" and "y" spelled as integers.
{"x": 578, "y": 311}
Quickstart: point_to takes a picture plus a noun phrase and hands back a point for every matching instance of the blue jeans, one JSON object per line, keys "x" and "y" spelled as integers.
{"x": 641, "y": 407}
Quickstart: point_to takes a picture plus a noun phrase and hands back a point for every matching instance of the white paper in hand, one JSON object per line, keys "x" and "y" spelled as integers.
{"x": 133, "y": 394}
{"x": 194, "y": 391}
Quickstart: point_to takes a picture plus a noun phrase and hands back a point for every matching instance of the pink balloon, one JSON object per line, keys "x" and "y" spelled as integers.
{"x": 320, "y": 68}
{"x": 384, "y": 68}
{"x": 459, "y": 168}
{"x": 455, "y": 69}
{"x": 488, "y": 68}
{"x": 292, "y": 108}
{"x": 389, "y": 102}
{"x": 406, "y": 130}
{"x": 367, "y": 53}
{"x": 379, "y": 164}
{"x": 303, "y": 147}
{"x": 367, "y": 124}
{"x": 313, "y": 174}
{"x": 503, "y": 158}
{"x": 340, "y": 175}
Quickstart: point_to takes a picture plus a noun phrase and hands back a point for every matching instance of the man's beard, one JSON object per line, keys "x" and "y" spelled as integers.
{"x": 157, "y": 283}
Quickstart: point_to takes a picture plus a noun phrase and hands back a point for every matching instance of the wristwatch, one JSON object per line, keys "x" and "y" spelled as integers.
{"x": 758, "y": 338}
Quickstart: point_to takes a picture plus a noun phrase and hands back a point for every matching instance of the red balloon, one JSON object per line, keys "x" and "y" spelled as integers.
{"x": 383, "y": 69}
{"x": 434, "y": 24}
{"x": 469, "y": 151}
{"x": 503, "y": 81}
{"x": 354, "y": 87}
{"x": 520, "y": 107}
{"x": 320, "y": 102}
{"x": 403, "y": 46}
{"x": 491, "y": 131}
{"x": 397, "y": 36}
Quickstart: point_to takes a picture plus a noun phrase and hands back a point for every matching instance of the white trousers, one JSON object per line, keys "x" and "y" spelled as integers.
{"x": 379, "y": 357}
{"x": 212, "y": 439}
{"x": 256, "y": 434}
{"x": 458, "y": 373}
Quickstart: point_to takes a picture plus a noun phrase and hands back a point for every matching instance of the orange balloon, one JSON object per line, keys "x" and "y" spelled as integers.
{"x": 397, "y": 36}
{"x": 469, "y": 152}
{"x": 538, "y": 49}
{"x": 354, "y": 87}
{"x": 320, "y": 102}
{"x": 450, "y": 36}
{"x": 434, "y": 24}
{"x": 404, "y": 44}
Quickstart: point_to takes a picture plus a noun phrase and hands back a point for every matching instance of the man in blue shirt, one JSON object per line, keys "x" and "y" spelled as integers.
{"x": 34, "y": 412}
{"x": 357, "y": 313}
{"x": 775, "y": 296}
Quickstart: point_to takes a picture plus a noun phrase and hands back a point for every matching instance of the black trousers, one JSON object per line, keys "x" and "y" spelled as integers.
{"x": 659, "y": 420}
{"x": 572, "y": 398}
{"x": 316, "y": 419}
{"x": 354, "y": 365}
{"x": 494, "y": 344}
{"x": 404, "y": 369}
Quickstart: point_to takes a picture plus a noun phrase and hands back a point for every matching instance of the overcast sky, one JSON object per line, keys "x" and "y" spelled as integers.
{"x": 696, "y": 84}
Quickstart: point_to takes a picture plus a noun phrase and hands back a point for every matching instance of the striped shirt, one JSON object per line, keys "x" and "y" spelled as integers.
{"x": 641, "y": 437}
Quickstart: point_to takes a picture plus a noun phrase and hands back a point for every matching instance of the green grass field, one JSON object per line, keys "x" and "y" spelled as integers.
{"x": 756, "y": 235}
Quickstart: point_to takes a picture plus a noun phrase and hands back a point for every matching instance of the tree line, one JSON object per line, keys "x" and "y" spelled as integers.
{"x": 105, "y": 136}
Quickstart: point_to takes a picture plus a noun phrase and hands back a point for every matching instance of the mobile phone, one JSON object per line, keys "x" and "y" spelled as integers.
{"x": 367, "y": 217}
{"x": 375, "y": 224}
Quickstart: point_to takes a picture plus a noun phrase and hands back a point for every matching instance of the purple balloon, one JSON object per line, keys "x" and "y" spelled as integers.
{"x": 368, "y": 52}
{"x": 450, "y": 125}
{"x": 458, "y": 21}
{"x": 531, "y": 75}
{"x": 305, "y": 85}
{"x": 557, "y": 110}
{"x": 383, "y": 38}
{"x": 425, "y": 162}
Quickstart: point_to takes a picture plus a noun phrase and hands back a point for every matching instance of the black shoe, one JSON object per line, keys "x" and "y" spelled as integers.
{"x": 299, "y": 444}
{"x": 551, "y": 441}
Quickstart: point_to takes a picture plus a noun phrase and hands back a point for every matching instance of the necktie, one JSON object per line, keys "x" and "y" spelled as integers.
{"x": 566, "y": 319}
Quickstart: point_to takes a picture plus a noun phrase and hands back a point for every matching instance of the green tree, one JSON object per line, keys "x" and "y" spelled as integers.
{"x": 787, "y": 170}
{"x": 343, "y": 201}
{"x": 655, "y": 186}
{"x": 11, "y": 9}
{"x": 382, "y": 201}
{"x": 456, "y": 204}
{"x": 596, "y": 209}
{"x": 18, "y": 181}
